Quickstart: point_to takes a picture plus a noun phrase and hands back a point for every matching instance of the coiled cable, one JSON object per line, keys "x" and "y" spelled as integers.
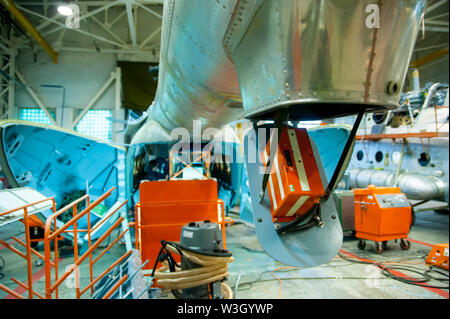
{"x": 212, "y": 269}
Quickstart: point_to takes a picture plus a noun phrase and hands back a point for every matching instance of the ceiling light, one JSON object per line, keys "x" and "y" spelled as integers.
{"x": 65, "y": 10}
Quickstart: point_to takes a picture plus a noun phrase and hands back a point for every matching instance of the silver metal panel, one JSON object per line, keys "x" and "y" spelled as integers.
{"x": 314, "y": 51}
{"x": 307, "y": 248}
{"x": 430, "y": 205}
{"x": 402, "y": 161}
{"x": 196, "y": 80}
{"x": 217, "y": 56}
{"x": 416, "y": 181}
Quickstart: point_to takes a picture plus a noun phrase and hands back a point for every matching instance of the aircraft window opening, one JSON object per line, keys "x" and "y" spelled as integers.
{"x": 96, "y": 123}
{"x": 379, "y": 156}
{"x": 424, "y": 159}
{"x": 360, "y": 155}
{"x": 36, "y": 115}
{"x": 379, "y": 118}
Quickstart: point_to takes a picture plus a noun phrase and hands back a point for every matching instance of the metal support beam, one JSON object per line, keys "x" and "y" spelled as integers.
{"x": 3, "y": 89}
{"x": 75, "y": 30}
{"x": 136, "y": 22}
{"x": 12, "y": 112}
{"x": 434, "y": 29}
{"x": 18, "y": 15}
{"x": 3, "y": 47}
{"x": 94, "y": 99}
{"x": 92, "y": 3}
{"x": 428, "y": 58}
{"x": 419, "y": 49}
{"x": 151, "y": 36}
{"x": 149, "y": 10}
{"x": 35, "y": 97}
{"x": 82, "y": 17}
{"x": 128, "y": 55}
{"x": 131, "y": 24}
{"x": 60, "y": 39}
{"x": 434, "y": 22}
{"x": 118, "y": 112}
{"x": 116, "y": 19}
{"x": 438, "y": 16}
{"x": 46, "y": 23}
{"x": 108, "y": 30}
{"x": 119, "y": 51}
{"x": 434, "y": 6}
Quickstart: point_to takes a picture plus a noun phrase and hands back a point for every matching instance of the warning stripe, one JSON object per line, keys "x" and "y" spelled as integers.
{"x": 298, "y": 161}
{"x": 297, "y": 205}
{"x": 277, "y": 170}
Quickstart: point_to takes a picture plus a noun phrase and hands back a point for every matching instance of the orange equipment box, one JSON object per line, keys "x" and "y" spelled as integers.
{"x": 382, "y": 214}
{"x": 438, "y": 256}
{"x": 166, "y": 206}
{"x": 294, "y": 184}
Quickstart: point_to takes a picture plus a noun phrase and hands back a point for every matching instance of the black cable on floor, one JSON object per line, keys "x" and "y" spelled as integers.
{"x": 387, "y": 271}
{"x": 445, "y": 276}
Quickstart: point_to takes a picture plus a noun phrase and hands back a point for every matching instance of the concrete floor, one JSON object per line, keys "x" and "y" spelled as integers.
{"x": 339, "y": 278}
{"x": 261, "y": 277}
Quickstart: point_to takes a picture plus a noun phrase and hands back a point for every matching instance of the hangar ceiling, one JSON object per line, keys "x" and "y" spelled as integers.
{"x": 132, "y": 28}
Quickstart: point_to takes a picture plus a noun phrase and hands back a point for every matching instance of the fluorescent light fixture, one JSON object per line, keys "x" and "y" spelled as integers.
{"x": 65, "y": 10}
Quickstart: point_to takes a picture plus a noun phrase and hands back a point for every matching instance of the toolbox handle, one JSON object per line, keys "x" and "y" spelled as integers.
{"x": 367, "y": 203}
{"x": 287, "y": 156}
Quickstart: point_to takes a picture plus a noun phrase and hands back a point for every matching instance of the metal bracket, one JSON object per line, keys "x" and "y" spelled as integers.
{"x": 306, "y": 248}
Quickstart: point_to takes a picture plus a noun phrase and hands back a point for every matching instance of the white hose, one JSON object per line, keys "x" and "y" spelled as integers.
{"x": 212, "y": 269}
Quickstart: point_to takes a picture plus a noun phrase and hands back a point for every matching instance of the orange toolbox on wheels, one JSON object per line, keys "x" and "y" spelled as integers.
{"x": 382, "y": 214}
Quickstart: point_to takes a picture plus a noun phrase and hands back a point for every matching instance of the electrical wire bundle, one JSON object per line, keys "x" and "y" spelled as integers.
{"x": 213, "y": 268}
{"x": 284, "y": 269}
{"x": 391, "y": 272}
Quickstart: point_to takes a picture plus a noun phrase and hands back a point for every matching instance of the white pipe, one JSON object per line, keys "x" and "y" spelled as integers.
{"x": 415, "y": 186}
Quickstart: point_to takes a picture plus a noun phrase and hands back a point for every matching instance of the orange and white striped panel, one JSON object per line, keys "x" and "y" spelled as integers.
{"x": 294, "y": 182}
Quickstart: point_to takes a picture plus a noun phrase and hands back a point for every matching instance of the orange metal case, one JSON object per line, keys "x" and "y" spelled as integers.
{"x": 295, "y": 183}
{"x": 166, "y": 206}
{"x": 381, "y": 213}
{"x": 438, "y": 256}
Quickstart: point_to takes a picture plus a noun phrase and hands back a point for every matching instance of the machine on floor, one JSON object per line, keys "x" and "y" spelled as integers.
{"x": 382, "y": 214}
{"x": 438, "y": 256}
{"x": 203, "y": 267}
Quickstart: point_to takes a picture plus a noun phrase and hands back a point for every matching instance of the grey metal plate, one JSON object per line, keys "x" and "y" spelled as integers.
{"x": 307, "y": 248}
{"x": 428, "y": 206}
{"x": 392, "y": 200}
